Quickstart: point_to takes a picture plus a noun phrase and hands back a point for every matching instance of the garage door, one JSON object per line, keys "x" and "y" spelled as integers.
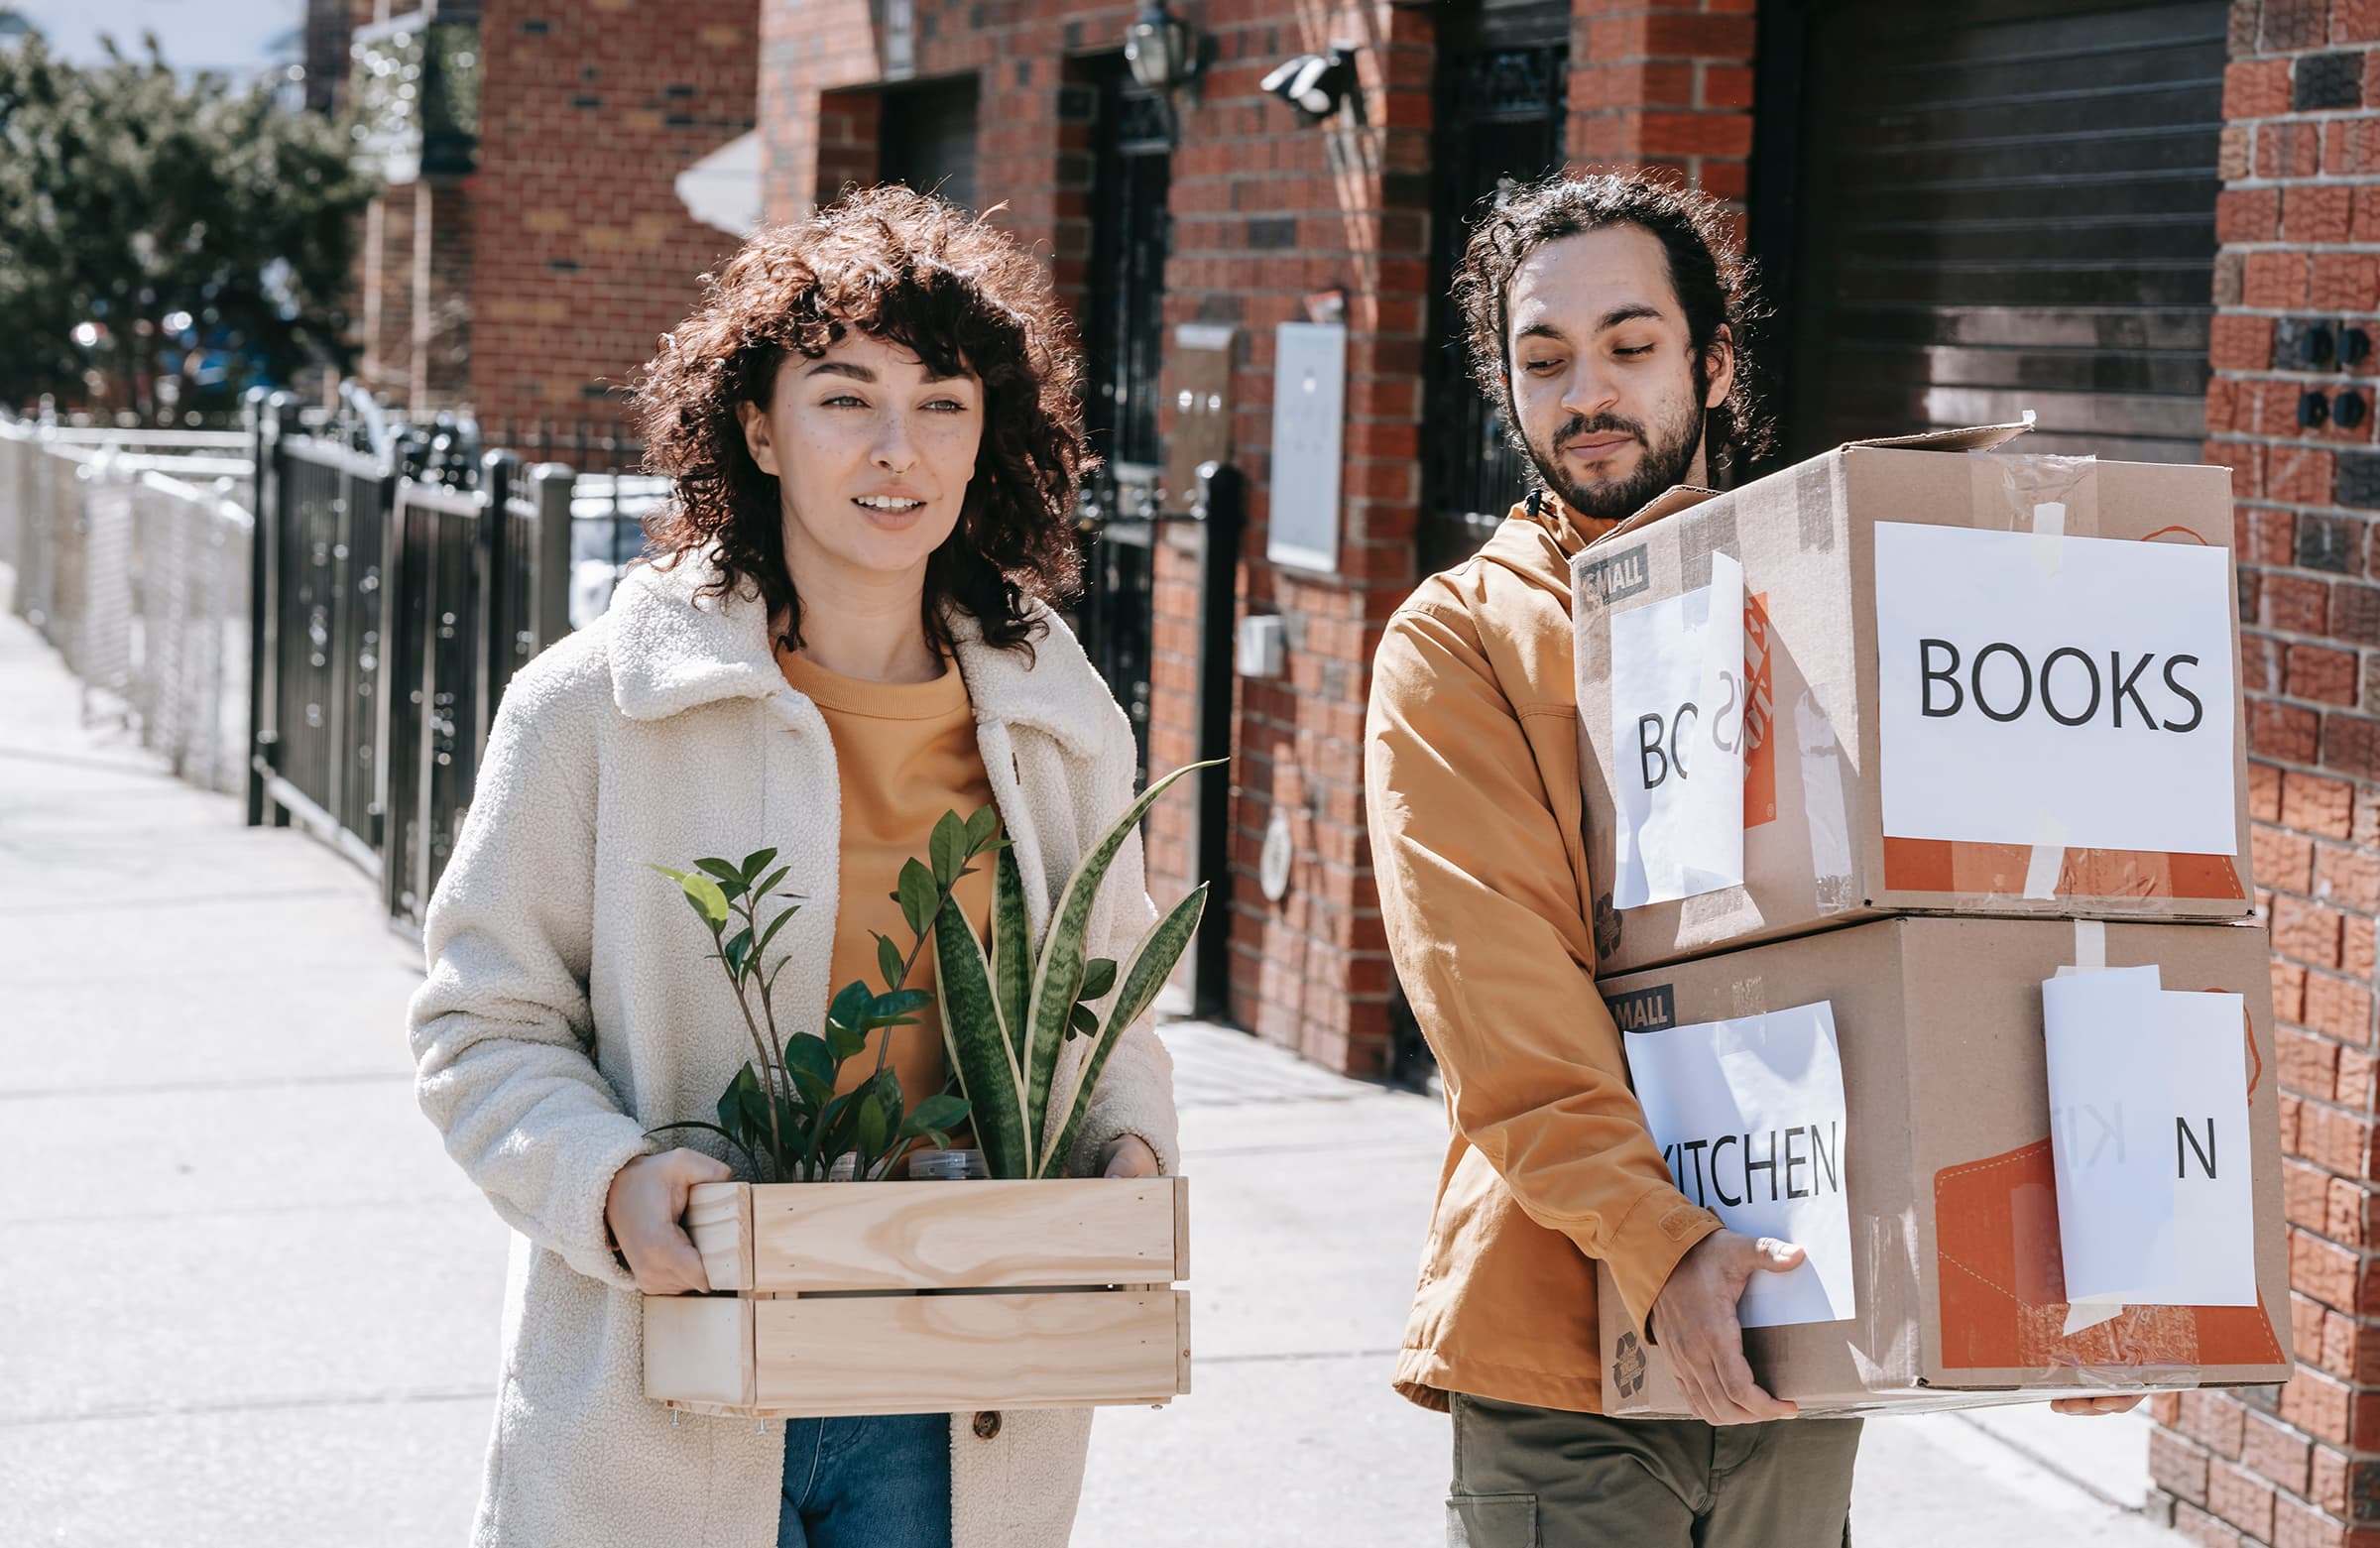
{"x": 1971, "y": 209}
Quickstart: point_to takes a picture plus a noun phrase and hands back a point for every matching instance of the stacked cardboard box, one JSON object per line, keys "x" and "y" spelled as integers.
{"x": 1983, "y": 731}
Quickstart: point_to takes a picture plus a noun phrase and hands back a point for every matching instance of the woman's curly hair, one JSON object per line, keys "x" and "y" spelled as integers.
{"x": 1715, "y": 286}
{"x": 911, "y": 270}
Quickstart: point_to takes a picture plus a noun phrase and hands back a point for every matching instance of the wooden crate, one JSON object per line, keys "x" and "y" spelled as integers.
{"x": 927, "y": 1297}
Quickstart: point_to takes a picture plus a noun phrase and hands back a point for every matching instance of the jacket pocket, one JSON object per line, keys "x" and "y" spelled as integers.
{"x": 1492, "y": 1521}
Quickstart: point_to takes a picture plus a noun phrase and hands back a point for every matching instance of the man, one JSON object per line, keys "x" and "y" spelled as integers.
{"x": 1603, "y": 317}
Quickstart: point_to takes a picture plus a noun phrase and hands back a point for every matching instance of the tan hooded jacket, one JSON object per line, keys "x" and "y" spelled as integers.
{"x": 1478, "y": 834}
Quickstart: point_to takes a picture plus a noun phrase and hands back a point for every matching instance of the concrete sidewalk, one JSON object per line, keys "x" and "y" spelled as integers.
{"x": 250, "y": 1303}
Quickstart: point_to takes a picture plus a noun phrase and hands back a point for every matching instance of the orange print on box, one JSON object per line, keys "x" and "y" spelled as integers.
{"x": 1759, "y": 715}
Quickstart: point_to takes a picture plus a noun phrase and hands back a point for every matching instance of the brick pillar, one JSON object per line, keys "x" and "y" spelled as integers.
{"x": 1665, "y": 88}
{"x": 441, "y": 311}
{"x": 388, "y": 291}
{"x": 2298, "y": 215}
{"x": 1266, "y": 210}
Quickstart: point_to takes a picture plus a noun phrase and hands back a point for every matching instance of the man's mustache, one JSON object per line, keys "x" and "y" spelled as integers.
{"x": 1578, "y": 426}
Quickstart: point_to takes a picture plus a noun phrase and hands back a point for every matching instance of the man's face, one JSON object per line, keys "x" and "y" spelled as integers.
{"x": 1603, "y": 372}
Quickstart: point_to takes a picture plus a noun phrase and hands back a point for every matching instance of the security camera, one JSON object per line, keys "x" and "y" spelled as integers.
{"x": 1313, "y": 83}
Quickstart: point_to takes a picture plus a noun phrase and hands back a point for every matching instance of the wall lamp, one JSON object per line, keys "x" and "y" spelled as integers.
{"x": 1159, "y": 49}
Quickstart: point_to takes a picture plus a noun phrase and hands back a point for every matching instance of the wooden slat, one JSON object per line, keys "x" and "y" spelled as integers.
{"x": 948, "y": 1354}
{"x": 698, "y": 1349}
{"x": 719, "y": 1218}
{"x": 1181, "y": 1229}
{"x": 912, "y": 1235}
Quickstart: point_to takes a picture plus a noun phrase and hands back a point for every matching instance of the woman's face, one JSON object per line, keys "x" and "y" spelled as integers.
{"x": 871, "y": 455}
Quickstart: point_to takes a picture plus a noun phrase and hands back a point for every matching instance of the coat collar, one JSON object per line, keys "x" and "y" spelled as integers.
{"x": 672, "y": 650}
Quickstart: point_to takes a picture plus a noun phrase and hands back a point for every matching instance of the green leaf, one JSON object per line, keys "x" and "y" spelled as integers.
{"x": 731, "y": 1101}
{"x": 936, "y": 1114}
{"x": 678, "y": 877}
{"x": 1150, "y": 964}
{"x": 980, "y": 829}
{"x": 738, "y": 952}
{"x": 1099, "y": 976}
{"x": 768, "y": 884}
{"x": 850, "y": 1006}
{"x": 707, "y": 898}
{"x": 948, "y": 848}
{"x": 918, "y": 890}
{"x": 1060, "y": 970}
{"x": 722, "y": 870}
{"x": 756, "y": 863}
{"x": 980, "y": 1055}
{"x": 873, "y": 1125}
{"x": 888, "y": 961}
{"x": 846, "y": 1044}
{"x": 1083, "y": 1023}
{"x": 774, "y": 925}
{"x": 1011, "y": 951}
{"x": 811, "y": 1065}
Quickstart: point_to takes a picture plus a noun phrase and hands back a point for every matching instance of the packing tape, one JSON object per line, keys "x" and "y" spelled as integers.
{"x": 2048, "y": 859}
{"x": 2049, "y": 536}
{"x": 2090, "y": 946}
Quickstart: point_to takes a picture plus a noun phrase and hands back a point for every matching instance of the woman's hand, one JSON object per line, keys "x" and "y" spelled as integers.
{"x": 2086, "y": 1407}
{"x": 646, "y": 1201}
{"x": 1128, "y": 1156}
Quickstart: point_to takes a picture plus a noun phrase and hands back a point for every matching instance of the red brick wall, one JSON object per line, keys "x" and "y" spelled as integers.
{"x": 583, "y": 254}
{"x": 1664, "y": 87}
{"x": 2297, "y": 218}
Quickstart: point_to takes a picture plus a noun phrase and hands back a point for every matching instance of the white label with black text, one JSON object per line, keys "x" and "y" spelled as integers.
{"x": 1677, "y": 733}
{"x": 1751, "y": 1119}
{"x": 2050, "y": 691}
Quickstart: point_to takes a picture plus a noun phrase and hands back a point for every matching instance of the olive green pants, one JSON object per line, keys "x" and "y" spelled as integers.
{"x": 1544, "y": 1478}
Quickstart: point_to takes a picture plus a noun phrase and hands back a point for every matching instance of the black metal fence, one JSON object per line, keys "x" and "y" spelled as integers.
{"x": 397, "y": 584}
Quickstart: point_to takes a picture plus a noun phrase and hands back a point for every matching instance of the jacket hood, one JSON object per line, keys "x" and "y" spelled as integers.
{"x": 673, "y": 648}
{"x": 1537, "y": 540}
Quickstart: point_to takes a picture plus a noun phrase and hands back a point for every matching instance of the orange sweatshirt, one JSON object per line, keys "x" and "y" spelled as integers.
{"x": 904, "y": 754}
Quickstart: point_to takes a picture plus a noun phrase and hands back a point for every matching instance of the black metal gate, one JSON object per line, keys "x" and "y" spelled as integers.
{"x": 1965, "y": 210}
{"x": 1502, "y": 71}
{"x": 389, "y": 610}
{"x": 1124, "y": 337}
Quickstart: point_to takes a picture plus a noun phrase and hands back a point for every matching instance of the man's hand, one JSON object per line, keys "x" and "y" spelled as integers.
{"x": 1694, "y": 1318}
{"x": 646, "y": 1201}
{"x": 1128, "y": 1156}
{"x": 2088, "y": 1407}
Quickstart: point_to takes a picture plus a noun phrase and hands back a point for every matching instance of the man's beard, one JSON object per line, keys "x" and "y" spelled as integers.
{"x": 1663, "y": 464}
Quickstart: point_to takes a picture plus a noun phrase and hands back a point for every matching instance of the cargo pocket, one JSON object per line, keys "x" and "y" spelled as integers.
{"x": 1492, "y": 1521}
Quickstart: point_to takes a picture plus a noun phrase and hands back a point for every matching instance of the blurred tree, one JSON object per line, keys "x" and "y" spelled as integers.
{"x": 129, "y": 197}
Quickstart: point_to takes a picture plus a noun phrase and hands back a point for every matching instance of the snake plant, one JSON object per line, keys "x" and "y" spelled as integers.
{"x": 1009, "y": 1008}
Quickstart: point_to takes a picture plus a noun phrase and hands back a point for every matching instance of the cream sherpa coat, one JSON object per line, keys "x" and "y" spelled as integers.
{"x": 569, "y": 1007}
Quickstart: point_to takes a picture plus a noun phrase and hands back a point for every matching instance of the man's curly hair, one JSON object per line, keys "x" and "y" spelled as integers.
{"x": 911, "y": 270}
{"x": 1714, "y": 282}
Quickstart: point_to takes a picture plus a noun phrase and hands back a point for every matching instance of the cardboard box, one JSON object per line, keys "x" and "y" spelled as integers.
{"x": 842, "y": 1298}
{"x": 1832, "y": 833}
{"x": 1946, "y": 1165}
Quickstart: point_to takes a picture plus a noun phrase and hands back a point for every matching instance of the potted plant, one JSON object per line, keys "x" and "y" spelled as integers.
{"x": 835, "y": 1300}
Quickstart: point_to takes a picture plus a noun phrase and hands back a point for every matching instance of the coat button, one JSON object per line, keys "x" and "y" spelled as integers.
{"x": 987, "y": 1424}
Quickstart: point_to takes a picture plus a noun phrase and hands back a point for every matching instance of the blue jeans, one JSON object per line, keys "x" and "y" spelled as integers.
{"x": 866, "y": 1483}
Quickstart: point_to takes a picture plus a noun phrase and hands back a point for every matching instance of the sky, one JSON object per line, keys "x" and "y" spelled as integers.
{"x": 236, "y": 36}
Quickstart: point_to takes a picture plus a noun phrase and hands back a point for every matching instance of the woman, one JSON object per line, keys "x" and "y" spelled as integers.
{"x": 872, "y": 428}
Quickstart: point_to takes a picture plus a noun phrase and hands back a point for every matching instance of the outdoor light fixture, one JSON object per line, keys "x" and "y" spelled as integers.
{"x": 1314, "y": 83}
{"x": 1159, "y": 49}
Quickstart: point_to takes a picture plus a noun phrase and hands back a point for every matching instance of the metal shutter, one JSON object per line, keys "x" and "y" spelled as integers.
{"x": 1972, "y": 209}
